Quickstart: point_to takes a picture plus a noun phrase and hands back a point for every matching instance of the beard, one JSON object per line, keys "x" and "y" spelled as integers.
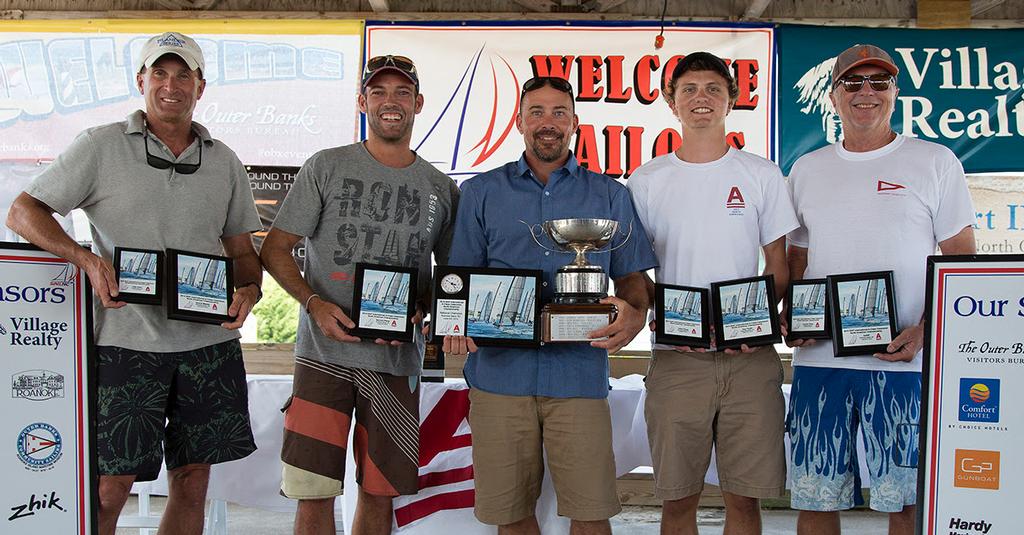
{"x": 549, "y": 152}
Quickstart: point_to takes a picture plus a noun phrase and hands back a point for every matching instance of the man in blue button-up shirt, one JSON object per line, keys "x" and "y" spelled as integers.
{"x": 553, "y": 397}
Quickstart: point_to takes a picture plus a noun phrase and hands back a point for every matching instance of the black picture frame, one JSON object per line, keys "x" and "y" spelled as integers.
{"x": 181, "y": 288}
{"x": 817, "y": 293}
{"x": 845, "y": 329}
{"x": 670, "y": 330}
{"x": 373, "y": 315}
{"x": 752, "y": 322}
{"x": 140, "y": 264}
{"x": 458, "y": 291}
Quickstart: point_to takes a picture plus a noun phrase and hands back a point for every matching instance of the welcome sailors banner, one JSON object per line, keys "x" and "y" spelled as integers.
{"x": 471, "y": 75}
{"x": 960, "y": 88}
{"x": 45, "y": 422}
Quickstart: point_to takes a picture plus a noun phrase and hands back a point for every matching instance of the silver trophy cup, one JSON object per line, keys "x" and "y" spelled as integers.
{"x": 580, "y": 282}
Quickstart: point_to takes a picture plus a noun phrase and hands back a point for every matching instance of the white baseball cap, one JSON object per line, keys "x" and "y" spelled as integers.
{"x": 175, "y": 43}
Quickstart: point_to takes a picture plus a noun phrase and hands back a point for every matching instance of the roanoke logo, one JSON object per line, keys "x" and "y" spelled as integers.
{"x": 37, "y": 385}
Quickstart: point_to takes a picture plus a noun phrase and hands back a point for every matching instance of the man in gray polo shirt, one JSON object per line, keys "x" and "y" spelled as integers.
{"x": 375, "y": 202}
{"x": 155, "y": 181}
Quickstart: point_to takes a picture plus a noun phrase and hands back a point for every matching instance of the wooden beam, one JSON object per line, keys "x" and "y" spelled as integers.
{"x": 979, "y": 7}
{"x": 756, "y": 9}
{"x": 943, "y": 13}
{"x": 539, "y": 6}
{"x": 605, "y": 6}
{"x": 380, "y": 6}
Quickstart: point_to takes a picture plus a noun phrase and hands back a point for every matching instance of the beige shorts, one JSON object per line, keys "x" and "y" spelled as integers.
{"x": 732, "y": 402}
{"x": 509, "y": 435}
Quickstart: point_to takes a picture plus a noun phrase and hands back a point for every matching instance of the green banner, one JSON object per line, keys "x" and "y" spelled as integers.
{"x": 960, "y": 88}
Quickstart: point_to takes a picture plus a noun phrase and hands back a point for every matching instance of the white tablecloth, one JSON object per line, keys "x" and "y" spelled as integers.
{"x": 255, "y": 480}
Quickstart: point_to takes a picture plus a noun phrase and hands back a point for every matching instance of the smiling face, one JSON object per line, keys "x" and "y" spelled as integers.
{"x": 547, "y": 122}
{"x": 390, "y": 103}
{"x": 867, "y": 111}
{"x": 171, "y": 90}
{"x": 701, "y": 100}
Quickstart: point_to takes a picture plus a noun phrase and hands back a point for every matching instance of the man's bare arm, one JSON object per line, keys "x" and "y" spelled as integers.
{"x": 33, "y": 220}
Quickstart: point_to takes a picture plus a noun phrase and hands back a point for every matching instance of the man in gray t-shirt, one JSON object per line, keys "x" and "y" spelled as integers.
{"x": 374, "y": 202}
{"x": 156, "y": 181}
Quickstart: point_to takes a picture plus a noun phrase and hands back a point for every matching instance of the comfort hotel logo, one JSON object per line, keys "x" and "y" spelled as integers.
{"x": 979, "y": 400}
{"x": 976, "y": 469}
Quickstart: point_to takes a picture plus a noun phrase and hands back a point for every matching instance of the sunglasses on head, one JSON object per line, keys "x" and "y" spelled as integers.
{"x": 401, "y": 63}
{"x": 180, "y": 168}
{"x": 854, "y": 82}
{"x": 538, "y": 82}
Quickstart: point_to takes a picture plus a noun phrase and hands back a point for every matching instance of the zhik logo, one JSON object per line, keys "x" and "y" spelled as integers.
{"x": 34, "y": 506}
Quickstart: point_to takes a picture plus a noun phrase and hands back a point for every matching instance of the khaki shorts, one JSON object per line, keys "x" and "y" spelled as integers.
{"x": 733, "y": 402}
{"x": 508, "y": 435}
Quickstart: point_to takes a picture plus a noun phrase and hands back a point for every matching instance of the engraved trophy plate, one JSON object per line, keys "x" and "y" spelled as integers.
{"x": 579, "y": 286}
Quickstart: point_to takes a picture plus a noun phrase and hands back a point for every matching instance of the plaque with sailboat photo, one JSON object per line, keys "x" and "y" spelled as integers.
{"x": 383, "y": 302}
{"x": 199, "y": 286}
{"x": 744, "y": 312}
{"x": 863, "y": 313}
{"x": 807, "y": 310}
{"x": 681, "y": 315}
{"x": 139, "y": 275}
{"x": 494, "y": 306}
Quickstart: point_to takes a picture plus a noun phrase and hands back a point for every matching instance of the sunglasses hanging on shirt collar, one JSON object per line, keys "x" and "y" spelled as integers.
{"x": 160, "y": 163}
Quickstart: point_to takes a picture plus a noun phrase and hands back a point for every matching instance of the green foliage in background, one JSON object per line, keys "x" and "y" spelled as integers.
{"x": 278, "y": 314}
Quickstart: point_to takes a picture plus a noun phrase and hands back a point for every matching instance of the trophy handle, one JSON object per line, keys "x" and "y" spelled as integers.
{"x": 534, "y": 236}
{"x": 621, "y": 243}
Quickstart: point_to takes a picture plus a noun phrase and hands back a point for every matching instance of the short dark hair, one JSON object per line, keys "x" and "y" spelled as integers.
{"x": 538, "y": 82}
{"x": 701, "y": 61}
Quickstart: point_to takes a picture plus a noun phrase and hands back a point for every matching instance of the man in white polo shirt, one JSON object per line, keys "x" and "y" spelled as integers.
{"x": 876, "y": 201}
{"x": 709, "y": 209}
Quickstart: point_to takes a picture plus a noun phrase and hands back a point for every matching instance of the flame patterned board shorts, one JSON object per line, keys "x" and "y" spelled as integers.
{"x": 827, "y": 406}
{"x": 317, "y": 421}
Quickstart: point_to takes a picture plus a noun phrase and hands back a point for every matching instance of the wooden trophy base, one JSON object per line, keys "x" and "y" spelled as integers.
{"x": 571, "y": 323}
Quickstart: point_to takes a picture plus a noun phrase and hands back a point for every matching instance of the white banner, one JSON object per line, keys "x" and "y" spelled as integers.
{"x": 972, "y": 478}
{"x": 44, "y": 420}
{"x": 471, "y": 77}
{"x": 276, "y": 91}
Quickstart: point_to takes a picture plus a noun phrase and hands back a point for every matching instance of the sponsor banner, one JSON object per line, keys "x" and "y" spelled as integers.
{"x": 270, "y": 185}
{"x": 471, "y": 75}
{"x": 971, "y": 478}
{"x": 276, "y": 91}
{"x": 960, "y": 88}
{"x": 45, "y": 416}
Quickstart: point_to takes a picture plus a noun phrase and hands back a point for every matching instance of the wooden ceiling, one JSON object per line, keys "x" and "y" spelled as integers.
{"x": 978, "y": 13}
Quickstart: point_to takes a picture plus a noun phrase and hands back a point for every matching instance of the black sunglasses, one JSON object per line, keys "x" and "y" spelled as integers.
{"x": 180, "y": 168}
{"x": 538, "y": 82}
{"x": 854, "y": 82}
{"x": 401, "y": 63}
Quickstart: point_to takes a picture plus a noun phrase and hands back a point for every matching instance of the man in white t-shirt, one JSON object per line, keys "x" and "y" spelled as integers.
{"x": 877, "y": 201}
{"x": 708, "y": 209}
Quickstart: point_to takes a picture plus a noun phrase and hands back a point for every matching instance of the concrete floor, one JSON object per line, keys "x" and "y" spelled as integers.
{"x": 633, "y": 520}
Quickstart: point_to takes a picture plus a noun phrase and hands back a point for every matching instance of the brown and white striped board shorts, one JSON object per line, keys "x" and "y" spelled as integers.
{"x": 317, "y": 420}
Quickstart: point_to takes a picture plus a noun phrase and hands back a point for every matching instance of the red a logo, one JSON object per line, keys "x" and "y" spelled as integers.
{"x": 735, "y": 196}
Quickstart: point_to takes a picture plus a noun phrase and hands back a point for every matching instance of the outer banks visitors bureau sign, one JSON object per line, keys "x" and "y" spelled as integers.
{"x": 972, "y": 474}
{"x": 45, "y": 456}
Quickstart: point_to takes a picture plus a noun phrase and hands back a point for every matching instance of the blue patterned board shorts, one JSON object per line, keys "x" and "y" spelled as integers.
{"x": 826, "y": 408}
{"x": 193, "y": 403}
